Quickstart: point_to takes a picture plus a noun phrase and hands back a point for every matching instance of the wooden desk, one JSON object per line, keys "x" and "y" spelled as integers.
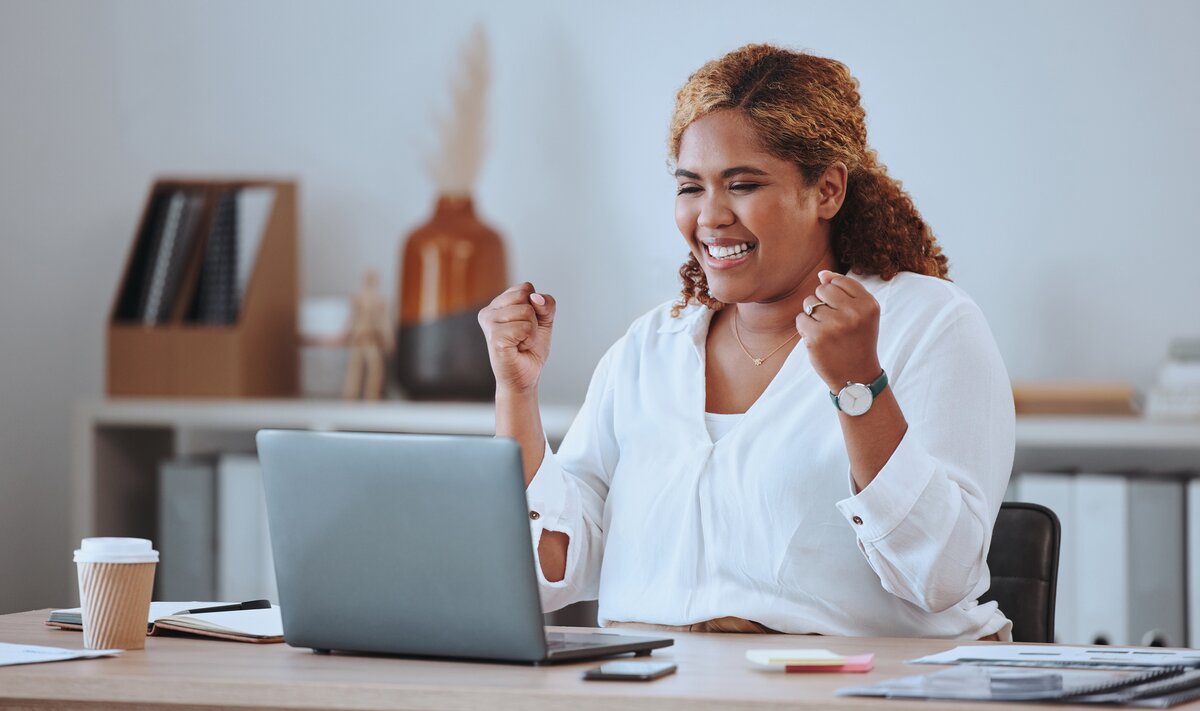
{"x": 201, "y": 674}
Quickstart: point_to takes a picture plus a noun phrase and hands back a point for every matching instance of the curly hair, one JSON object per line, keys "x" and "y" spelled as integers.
{"x": 806, "y": 109}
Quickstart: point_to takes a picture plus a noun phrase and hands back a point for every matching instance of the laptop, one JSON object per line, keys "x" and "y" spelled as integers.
{"x": 412, "y": 545}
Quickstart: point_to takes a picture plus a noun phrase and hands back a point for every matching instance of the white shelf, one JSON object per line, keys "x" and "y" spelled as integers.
{"x": 118, "y": 443}
{"x": 383, "y": 416}
{"x": 1107, "y": 444}
{"x": 1132, "y": 432}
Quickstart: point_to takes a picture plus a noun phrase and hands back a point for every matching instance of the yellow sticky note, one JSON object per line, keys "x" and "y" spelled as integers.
{"x": 794, "y": 657}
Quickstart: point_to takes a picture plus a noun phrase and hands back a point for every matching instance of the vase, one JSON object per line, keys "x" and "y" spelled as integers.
{"x": 451, "y": 267}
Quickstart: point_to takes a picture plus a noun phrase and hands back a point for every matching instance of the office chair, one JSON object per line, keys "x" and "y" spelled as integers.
{"x": 1023, "y": 561}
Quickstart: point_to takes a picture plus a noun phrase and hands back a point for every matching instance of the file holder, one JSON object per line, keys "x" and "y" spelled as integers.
{"x": 257, "y": 356}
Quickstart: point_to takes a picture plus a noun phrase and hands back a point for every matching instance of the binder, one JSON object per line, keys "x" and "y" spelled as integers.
{"x": 245, "y": 567}
{"x": 187, "y": 532}
{"x": 213, "y": 535}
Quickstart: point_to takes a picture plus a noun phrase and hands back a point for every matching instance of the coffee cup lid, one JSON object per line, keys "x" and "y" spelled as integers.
{"x": 116, "y": 550}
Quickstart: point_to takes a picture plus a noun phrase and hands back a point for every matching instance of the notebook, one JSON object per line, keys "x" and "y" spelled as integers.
{"x": 255, "y": 626}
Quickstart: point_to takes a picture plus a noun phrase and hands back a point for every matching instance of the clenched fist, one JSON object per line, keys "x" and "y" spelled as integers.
{"x": 840, "y": 328}
{"x": 517, "y": 325}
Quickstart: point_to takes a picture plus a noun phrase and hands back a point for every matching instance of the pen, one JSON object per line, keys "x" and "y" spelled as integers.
{"x": 248, "y": 605}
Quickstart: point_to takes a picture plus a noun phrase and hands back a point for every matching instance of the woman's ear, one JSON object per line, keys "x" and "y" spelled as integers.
{"x": 831, "y": 190}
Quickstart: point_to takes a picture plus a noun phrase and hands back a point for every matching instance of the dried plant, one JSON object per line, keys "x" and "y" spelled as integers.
{"x": 455, "y": 165}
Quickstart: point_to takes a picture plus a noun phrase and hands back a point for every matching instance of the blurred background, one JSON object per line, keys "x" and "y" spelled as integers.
{"x": 1051, "y": 145}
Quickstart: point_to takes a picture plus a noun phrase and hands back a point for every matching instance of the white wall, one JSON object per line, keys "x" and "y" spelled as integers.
{"x": 1051, "y": 146}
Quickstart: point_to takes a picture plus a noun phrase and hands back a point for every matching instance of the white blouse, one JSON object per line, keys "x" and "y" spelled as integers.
{"x": 667, "y": 526}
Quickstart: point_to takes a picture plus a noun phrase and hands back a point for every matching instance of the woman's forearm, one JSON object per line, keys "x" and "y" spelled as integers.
{"x": 518, "y": 417}
{"x": 872, "y": 438}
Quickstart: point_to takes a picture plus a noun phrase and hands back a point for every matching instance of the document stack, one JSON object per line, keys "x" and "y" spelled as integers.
{"x": 1176, "y": 395}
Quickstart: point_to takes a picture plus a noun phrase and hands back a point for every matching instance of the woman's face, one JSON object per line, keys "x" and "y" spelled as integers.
{"x": 749, "y": 218}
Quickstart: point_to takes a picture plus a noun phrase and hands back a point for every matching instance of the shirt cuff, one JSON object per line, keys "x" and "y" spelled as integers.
{"x": 546, "y": 498}
{"x": 878, "y": 509}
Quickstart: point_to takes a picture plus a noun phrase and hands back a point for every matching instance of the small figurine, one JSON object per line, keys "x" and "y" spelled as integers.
{"x": 370, "y": 339}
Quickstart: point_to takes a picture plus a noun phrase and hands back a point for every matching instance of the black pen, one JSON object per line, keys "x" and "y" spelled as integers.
{"x": 248, "y": 605}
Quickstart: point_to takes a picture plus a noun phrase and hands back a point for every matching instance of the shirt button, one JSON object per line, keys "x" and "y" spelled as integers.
{"x": 857, "y": 520}
{"x": 535, "y": 515}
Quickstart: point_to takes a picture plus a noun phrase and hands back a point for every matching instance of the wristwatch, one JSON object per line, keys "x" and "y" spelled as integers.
{"x": 855, "y": 399}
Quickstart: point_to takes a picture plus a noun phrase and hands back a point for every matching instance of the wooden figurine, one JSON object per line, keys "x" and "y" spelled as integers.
{"x": 370, "y": 339}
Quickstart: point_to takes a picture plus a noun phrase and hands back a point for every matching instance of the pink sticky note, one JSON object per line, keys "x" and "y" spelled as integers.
{"x": 860, "y": 663}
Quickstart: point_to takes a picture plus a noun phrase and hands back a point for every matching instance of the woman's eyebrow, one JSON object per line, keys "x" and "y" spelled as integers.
{"x": 727, "y": 173}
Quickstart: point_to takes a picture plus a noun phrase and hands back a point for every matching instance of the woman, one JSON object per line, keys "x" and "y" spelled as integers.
{"x": 817, "y": 436}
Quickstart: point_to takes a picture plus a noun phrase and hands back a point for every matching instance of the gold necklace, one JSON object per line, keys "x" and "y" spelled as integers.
{"x": 758, "y": 361}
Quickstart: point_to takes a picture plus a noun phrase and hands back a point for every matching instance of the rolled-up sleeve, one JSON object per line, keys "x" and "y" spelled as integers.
{"x": 925, "y": 521}
{"x": 568, "y": 492}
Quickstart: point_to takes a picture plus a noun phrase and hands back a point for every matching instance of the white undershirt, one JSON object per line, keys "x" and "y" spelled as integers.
{"x": 719, "y": 423}
{"x": 676, "y": 518}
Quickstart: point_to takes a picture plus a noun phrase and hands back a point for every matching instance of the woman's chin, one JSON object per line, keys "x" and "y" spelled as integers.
{"x": 726, "y": 295}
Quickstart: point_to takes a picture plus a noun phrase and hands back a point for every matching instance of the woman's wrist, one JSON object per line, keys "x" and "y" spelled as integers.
{"x": 516, "y": 397}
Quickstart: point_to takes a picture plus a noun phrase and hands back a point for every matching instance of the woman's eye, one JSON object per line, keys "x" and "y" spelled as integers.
{"x": 687, "y": 190}
{"x": 745, "y": 187}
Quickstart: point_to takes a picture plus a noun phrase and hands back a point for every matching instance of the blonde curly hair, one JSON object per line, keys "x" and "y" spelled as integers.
{"x": 806, "y": 109}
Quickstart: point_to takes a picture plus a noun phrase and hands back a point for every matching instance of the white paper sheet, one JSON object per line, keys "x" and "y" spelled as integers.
{"x": 1039, "y": 655}
{"x": 32, "y": 654}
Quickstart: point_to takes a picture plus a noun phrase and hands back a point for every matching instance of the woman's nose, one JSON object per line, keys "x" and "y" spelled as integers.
{"x": 714, "y": 212}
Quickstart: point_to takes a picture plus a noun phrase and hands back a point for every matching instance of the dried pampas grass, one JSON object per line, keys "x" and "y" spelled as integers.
{"x": 455, "y": 165}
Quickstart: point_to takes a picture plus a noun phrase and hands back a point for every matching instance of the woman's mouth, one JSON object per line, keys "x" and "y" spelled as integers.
{"x": 729, "y": 255}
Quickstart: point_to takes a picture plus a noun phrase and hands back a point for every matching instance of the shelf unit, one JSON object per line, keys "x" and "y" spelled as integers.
{"x": 118, "y": 444}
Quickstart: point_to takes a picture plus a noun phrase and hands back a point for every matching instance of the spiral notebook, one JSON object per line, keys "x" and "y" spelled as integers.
{"x": 1154, "y": 687}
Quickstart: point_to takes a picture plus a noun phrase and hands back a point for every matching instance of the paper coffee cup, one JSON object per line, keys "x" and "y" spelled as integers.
{"x": 116, "y": 580}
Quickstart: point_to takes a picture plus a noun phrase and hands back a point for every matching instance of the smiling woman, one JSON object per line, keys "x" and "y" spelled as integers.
{"x": 817, "y": 436}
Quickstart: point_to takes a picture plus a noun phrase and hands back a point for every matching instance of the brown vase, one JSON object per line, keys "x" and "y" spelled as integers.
{"x": 451, "y": 267}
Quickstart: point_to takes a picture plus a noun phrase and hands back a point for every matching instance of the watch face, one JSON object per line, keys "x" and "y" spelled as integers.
{"x": 855, "y": 399}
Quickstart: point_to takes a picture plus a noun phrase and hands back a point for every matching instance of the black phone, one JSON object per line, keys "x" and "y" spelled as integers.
{"x": 629, "y": 671}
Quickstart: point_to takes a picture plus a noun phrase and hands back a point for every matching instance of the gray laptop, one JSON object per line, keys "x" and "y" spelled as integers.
{"x": 411, "y": 544}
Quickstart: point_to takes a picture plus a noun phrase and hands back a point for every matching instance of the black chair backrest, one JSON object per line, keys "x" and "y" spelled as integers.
{"x": 1023, "y": 561}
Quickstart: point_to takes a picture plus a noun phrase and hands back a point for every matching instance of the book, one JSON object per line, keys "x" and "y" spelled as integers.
{"x": 263, "y": 626}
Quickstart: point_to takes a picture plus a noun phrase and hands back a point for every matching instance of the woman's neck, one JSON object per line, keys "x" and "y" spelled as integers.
{"x": 778, "y": 316}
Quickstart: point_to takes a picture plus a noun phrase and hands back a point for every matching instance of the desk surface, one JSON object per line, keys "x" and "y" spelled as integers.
{"x": 713, "y": 674}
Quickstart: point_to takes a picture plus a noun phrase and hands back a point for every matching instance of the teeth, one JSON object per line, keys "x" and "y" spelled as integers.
{"x": 728, "y": 252}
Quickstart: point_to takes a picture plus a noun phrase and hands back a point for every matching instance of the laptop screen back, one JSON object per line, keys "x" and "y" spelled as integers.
{"x": 402, "y": 544}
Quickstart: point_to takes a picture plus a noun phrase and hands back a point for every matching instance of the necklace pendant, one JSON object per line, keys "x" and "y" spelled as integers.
{"x": 758, "y": 361}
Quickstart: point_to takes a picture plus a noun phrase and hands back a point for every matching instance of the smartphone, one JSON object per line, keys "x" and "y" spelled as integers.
{"x": 629, "y": 671}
